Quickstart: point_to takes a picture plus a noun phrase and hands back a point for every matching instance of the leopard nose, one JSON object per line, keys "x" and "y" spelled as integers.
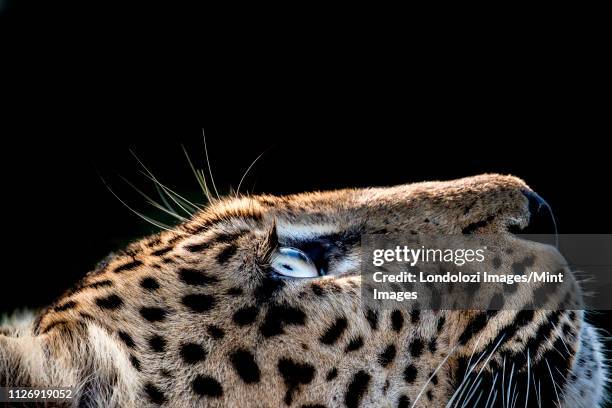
{"x": 541, "y": 218}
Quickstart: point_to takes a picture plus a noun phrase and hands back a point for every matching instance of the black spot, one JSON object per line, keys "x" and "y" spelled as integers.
{"x": 56, "y": 324}
{"x": 192, "y": 353}
{"x": 432, "y": 345}
{"x": 410, "y": 374}
{"x": 162, "y": 251}
{"x": 71, "y": 304}
{"x": 194, "y": 277}
{"x": 226, "y": 253}
{"x": 356, "y": 389}
{"x": 416, "y": 348}
{"x": 518, "y": 268}
{"x": 505, "y": 334}
{"x": 434, "y": 378}
{"x": 415, "y": 315}
{"x": 207, "y": 386}
{"x": 109, "y": 302}
{"x": 470, "y": 228}
{"x": 403, "y": 402}
{"x": 126, "y": 338}
{"x": 335, "y": 287}
{"x": 354, "y": 344}
{"x": 149, "y": 283}
{"x": 215, "y": 332}
{"x": 135, "y": 362}
{"x": 267, "y": 288}
{"x": 279, "y": 316}
{"x": 293, "y": 375}
{"x": 475, "y": 325}
{"x": 197, "y": 247}
{"x": 543, "y": 333}
{"x": 173, "y": 240}
{"x": 497, "y": 262}
{"x": 372, "y": 317}
{"x": 199, "y": 302}
{"x": 229, "y": 237}
{"x": 317, "y": 290}
{"x": 86, "y": 316}
{"x": 128, "y": 266}
{"x": 331, "y": 374}
{"x": 236, "y": 291}
{"x": 386, "y": 357}
{"x": 245, "y": 365}
{"x": 440, "y": 324}
{"x": 246, "y": 315}
{"x": 153, "y": 241}
{"x": 157, "y": 343}
{"x": 429, "y": 395}
{"x": 153, "y": 314}
{"x": 156, "y": 396}
{"x": 333, "y": 333}
{"x": 397, "y": 320}
{"x": 99, "y": 284}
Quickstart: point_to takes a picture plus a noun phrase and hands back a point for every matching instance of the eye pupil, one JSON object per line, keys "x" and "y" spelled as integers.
{"x": 288, "y": 267}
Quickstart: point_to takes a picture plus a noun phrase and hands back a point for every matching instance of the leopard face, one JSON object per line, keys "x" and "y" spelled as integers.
{"x": 199, "y": 315}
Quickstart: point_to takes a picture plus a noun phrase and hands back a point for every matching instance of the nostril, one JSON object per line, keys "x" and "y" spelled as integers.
{"x": 541, "y": 218}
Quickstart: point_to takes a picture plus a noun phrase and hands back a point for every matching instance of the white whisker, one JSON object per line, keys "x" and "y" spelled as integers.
{"x": 153, "y": 202}
{"x": 469, "y": 365}
{"x": 503, "y": 388}
{"x": 161, "y": 196}
{"x": 462, "y": 385}
{"x": 144, "y": 217}
{"x": 199, "y": 177}
{"x": 175, "y": 197}
{"x": 494, "y": 398}
{"x": 554, "y": 383}
{"x": 170, "y": 193}
{"x": 433, "y": 374}
{"x": 528, "y": 375}
{"x": 492, "y": 388}
{"x": 208, "y": 164}
{"x": 508, "y": 396}
{"x": 471, "y": 394}
{"x": 478, "y": 399}
{"x": 247, "y": 172}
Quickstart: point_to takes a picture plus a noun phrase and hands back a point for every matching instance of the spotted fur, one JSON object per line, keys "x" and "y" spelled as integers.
{"x": 194, "y": 316}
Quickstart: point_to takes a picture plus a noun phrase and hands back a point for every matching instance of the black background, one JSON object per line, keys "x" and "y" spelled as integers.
{"x": 80, "y": 90}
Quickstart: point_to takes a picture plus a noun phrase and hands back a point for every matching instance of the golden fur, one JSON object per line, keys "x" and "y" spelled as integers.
{"x": 129, "y": 335}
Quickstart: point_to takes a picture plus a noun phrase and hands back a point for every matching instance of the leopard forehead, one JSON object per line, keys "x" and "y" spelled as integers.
{"x": 192, "y": 316}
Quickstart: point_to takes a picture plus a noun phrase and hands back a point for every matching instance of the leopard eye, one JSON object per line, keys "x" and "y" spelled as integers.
{"x": 294, "y": 263}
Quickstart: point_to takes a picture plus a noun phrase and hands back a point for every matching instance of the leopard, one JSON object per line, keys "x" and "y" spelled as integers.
{"x": 201, "y": 314}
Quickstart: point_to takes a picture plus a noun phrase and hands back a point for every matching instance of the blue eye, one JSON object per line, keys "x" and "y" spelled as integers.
{"x": 294, "y": 263}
